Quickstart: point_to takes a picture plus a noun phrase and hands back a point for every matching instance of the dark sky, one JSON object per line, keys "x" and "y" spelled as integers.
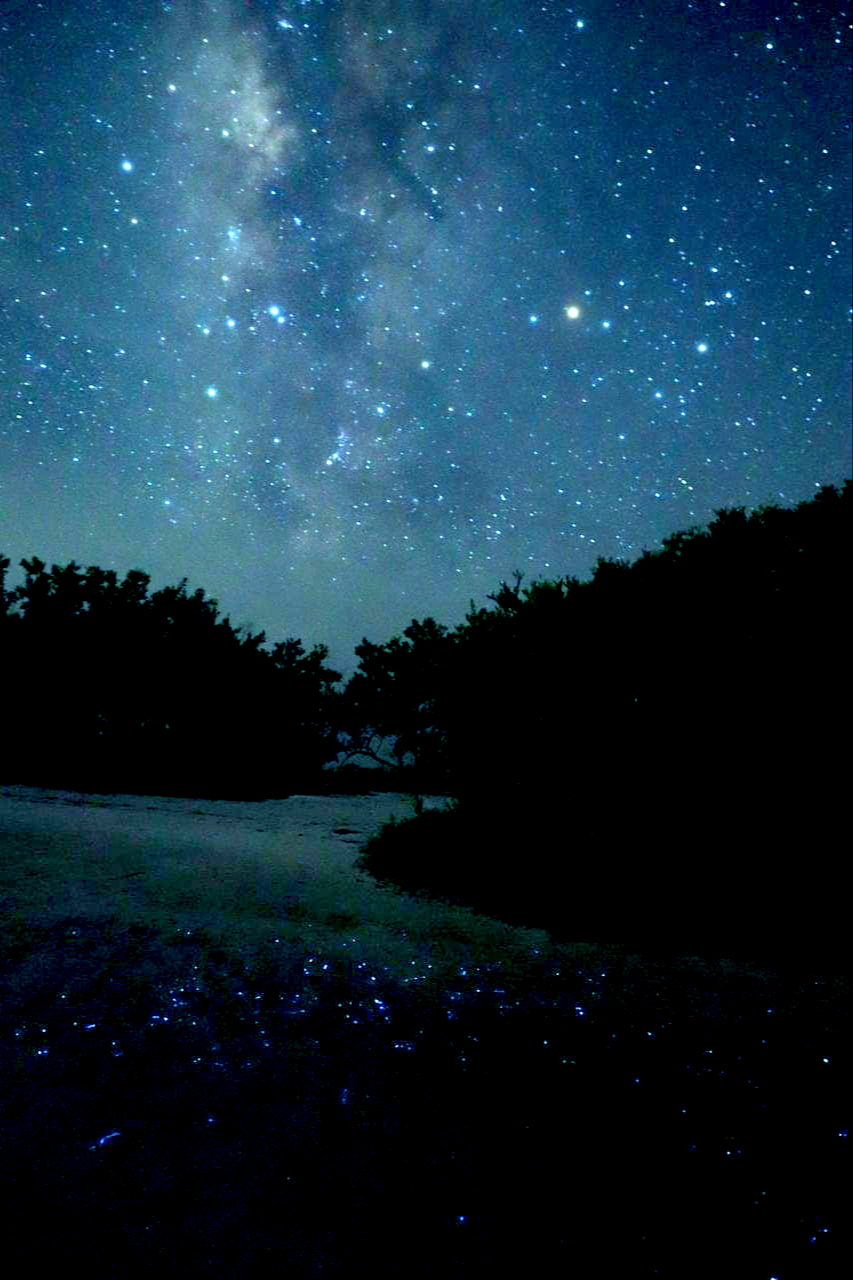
{"x": 346, "y": 310}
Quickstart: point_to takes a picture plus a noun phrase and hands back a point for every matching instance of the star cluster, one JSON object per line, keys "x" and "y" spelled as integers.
{"x": 347, "y": 310}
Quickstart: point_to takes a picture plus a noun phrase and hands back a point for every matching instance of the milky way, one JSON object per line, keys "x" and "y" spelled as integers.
{"x": 346, "y": 311}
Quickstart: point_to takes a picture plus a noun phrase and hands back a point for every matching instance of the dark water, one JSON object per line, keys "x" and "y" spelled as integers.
{"x": 181, "y": 1112}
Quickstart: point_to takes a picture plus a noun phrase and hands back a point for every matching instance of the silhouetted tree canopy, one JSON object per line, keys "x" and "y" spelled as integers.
{"x": 110, "y": 686}
{"x": 662, "y": 746}
{"x": 673, "y": 688}
{"x": 717, "y": 660}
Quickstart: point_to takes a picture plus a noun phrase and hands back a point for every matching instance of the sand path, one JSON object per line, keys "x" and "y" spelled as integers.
{"x": 247, "y": 873}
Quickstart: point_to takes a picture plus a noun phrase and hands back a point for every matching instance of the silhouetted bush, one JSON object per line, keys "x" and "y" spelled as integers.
{"x": 666, "y": 734}
{"x": 691, "y": 700}
{"x": 723, "y": 647}
{"x": 111, "y": 688}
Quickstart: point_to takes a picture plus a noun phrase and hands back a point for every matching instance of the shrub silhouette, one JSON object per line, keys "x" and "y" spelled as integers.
{"x": 115, "y": 687}
{"x": 725, "y": 637}
{"x": 677, "y": 718}
{"x": 698, "y": 689}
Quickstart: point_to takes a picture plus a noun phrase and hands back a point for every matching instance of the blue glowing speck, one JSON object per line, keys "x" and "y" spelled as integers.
{"x": 108, "y": 1137}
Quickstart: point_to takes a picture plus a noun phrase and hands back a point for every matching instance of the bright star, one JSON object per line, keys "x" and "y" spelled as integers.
{"x": 211, "y": 392}
{"x": 572, "y": 312}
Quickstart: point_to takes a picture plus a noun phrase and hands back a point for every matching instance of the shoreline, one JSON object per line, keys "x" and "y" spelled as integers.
{"x": 247, "y": 873}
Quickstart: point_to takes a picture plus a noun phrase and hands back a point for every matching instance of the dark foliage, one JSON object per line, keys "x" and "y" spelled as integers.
{"x": 112, "y": 688}
{"x": 390, "y": 709}
{"x": 727, "y": 638}
{"x": 675, "y": 726}
{"x": 692, "y": 699}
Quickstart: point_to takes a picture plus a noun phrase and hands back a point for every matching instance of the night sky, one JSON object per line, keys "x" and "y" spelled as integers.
{"x": 347, "y": 310}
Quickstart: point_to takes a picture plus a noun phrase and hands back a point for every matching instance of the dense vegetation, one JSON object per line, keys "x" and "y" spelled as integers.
{"x": 662, "y": 745}
{"x": 726, "y": 638}
{"x": 112, "y": 688}
{"x": 677, "y": 721}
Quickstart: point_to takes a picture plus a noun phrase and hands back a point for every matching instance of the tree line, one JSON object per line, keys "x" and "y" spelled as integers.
{"x": 714, "y": 661}
{"x": 112, "y": 687}
{"x": 660, "y": 749}
{"x": 727, "y": 640}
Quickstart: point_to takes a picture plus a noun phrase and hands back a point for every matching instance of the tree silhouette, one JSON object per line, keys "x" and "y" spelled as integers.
{"x": 699, "y": 687}
{"x": 701, "y": 666}
{"x": 687, "y": 704}
{"x": 389, "y": 705}
{"x": 113, "y": 685}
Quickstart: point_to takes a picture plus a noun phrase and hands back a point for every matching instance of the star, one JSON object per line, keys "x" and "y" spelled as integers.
{"x": 257, "y": 228}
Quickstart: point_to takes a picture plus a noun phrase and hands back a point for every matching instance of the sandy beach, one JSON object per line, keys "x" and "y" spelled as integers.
{"x": 247, "y": 873}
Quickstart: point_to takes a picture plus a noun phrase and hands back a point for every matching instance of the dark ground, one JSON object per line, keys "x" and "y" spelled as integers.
{"x": 169, "y": 1110}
